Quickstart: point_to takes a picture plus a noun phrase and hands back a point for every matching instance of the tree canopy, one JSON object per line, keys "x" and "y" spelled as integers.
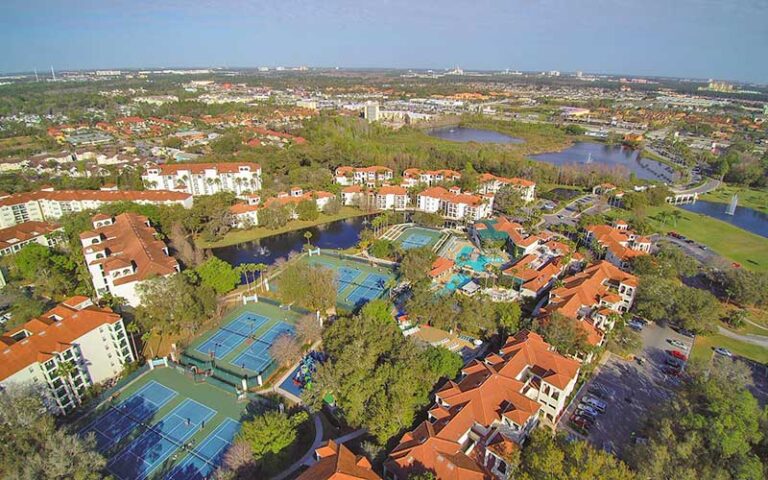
{"x": 175, "y": 303}
{"x": 218, "y": 274}
{"x": 309, "y": 286}
{"x": 32, "y": 447}
{"x": 377, "y": 376}
{"x": 713, "y": 429}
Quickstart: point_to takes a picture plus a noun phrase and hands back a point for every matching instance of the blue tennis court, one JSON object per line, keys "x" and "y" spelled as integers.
{"x": 415, "y": 240}
{"x": 231, "y": 335}
{"x": 256, "y": 357}
{"x": 203, "y": 460}
{"x": 113, "y": 426}
{"x": 153, "y": 447}
{"x": 345, "y": 275}
{"x": 370, "y": 288}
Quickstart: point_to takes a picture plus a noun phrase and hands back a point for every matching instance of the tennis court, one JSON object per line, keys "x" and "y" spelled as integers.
{"x": 155, "y": 430}
{"x": 371, "y": 288}
{"x": 158, "y": 442}
{"x": 357, "y": 282}
{"x": 115, "y": 425}
{"x": 203, "y": 460}
{"x": 231, "y": 335}
{"x": 256, "y": 357}
{"x": 417, "y": 237}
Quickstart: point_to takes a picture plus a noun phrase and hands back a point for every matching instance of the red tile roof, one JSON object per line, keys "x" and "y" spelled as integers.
{"x": 337, "y": 462}
{"x": 95, "y": 195}
{"x": 49, "y": 336}
{"x": 25, "y": 231}
{"x": 132, "y": 242}
{"x": 198, "y": 168}
{"x": 488, "y": 391}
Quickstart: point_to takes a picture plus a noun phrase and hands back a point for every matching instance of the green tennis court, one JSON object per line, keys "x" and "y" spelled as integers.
{"x": 358, "y": 282}
{"x": 165, "y": 425}
{"x": 417, "y": 237}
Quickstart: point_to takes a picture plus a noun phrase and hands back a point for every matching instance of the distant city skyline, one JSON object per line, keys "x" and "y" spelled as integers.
{"x": 686, "y": 39}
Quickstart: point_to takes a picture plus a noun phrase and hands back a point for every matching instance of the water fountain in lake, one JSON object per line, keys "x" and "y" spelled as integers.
{"x": 731, "y": 209}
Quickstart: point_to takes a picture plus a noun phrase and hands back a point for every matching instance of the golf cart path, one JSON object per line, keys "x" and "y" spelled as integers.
{"x": 758, "y": 340}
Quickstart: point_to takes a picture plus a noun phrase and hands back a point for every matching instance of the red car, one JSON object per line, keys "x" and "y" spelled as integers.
{"x": 678, "y": 355}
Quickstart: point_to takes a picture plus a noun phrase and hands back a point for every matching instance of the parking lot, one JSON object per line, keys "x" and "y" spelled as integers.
{"x": 632, "y": 390}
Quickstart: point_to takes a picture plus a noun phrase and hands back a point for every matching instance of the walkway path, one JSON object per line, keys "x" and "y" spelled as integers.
{"x": 759, "y": 340}
{"x": 307, "y": 458}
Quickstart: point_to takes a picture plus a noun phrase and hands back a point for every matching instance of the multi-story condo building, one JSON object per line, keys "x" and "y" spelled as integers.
{"x": 204, "y": 178}
{"x": 123, "y": 251}
{"x": 368, "y": 176}
{"x": 387, "y": 197}
{"x": 13, "y": 239}
{"x": 297, "y": 195}
{"x": 415, "y": 176}
{"x": 593, "y": 298}
{"x": 536, "y": 272}
{"x": 490, "y": 410}
{"x": 91, "y": 341}
{"x": 619, "y": 244}
{"x": 452, "y": 204}
{"x": 48, "y": 204}
{"x": 492, "y": 184}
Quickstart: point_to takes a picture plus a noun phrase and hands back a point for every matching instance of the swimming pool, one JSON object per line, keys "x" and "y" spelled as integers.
{"x": 457, "y": 281}
{"x": 464, "y": 259}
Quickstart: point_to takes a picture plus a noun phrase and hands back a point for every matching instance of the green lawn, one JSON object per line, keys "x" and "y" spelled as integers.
{"x": 702, "y": 348}
{"x": 750, "y": 250}
{"x": 748, "y": 197}
{"x": 241, "y": 236}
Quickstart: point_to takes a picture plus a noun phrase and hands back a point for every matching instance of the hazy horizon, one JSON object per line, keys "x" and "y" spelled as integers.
{"x": 697, "y": 39}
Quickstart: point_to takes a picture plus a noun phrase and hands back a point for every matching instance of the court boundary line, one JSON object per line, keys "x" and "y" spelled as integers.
{"x": 194, "y": 453}
{"x": 153, "y": 430}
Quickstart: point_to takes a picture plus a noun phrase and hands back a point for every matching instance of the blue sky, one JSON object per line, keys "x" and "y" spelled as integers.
{"x": 724, "y": 39}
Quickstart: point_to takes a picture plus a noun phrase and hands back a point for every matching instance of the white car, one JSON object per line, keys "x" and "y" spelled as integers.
{"x": 723, "y": 351}
{"x": 678, "y": 344}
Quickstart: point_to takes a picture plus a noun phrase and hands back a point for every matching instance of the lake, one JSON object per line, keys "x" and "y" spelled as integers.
{"x": 745, "y": 218}
{"x": 463, "y": 134}
{"x": 339, "y": 234}
{"x": 601, "y": 156}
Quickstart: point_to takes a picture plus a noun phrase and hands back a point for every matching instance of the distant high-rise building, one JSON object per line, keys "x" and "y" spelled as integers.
{"x": 371, "y": 111}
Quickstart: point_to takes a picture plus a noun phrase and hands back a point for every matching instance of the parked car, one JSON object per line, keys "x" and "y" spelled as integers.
{"x": 673, "y": 362}
{"x": 635, "y": 325}
{"x": 583, "y": 422}
{"x": 686, "y": 333}
{"x": 640, "y": 361}
{"x": 723, "y": 351}
{"x": 595, "y": 403}
{"x": 673, "y": 371}
{"x": 677, "y": 344}
{"x": 678, "y": 355}
{"x": 599, "y": 391}
{"x": 586, "y": 410}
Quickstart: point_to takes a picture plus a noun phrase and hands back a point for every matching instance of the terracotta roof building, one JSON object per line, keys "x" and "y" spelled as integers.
{"x": 48, "y": 204}
{"x": 369, "y": 176}
{"x": 334, "y": 461}
{"x": 90, "y": 338}
{"x": 453, "y": 204}
{"x": 123, "y": 251}
{"x": 204, "y": 178}
{"x": 13, "y": 239}
{"x": 493, "y": 184}
{"x": 619, "y": 243}
{"x": 492, "y": 408}
{"x": 416, "y": 176}
{"x": 592, "y": 296}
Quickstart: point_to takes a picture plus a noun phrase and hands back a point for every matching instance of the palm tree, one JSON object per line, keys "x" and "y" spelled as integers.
{"x": 676, "y": 215}
{"x": 308, "y": 235}
{"x": 243, "y": 270}
{"x": 65, "y": 370}
{"x": 132, "y": 329}
{"x": 145, "y": 341}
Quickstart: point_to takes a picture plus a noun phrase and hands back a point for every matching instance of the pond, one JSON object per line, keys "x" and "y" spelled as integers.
{"x": 745, "y": 218}
{"x": 339, "y": 234}
{"x": 463, "y": 134}
{"x": 600, "y": 156}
